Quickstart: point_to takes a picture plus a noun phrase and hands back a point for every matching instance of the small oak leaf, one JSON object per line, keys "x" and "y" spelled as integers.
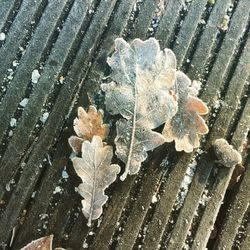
{"x": 44, "y": 243}
{"x": 86, "y": 126}
{"x": 187, "y": 123}
{"x": 97, "y": 173}
{"x": 141, "y": 91}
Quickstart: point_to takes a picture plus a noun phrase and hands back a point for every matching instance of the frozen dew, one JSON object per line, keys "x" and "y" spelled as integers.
{"x": 2, "y": 36}
{"x": 13, "y": 122}
{"x": 44, "y": 117}
{"x": 35, "y": 76}
{"x": 24, "y": 102}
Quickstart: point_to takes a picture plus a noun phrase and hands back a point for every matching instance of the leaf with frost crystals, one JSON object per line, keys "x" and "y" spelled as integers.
{"x": 185, "y": 126}
{"x": 97, "y": 173}
{"x": 44, "y": 243}
{"x": 144, "y": 140}
{"x": 86, "y": 126}
{"x": 142, "y": 91}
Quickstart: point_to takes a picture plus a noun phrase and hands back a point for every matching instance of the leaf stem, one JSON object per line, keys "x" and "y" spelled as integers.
{"x": 93, "y": 192}
{"x": 127, "y": 167}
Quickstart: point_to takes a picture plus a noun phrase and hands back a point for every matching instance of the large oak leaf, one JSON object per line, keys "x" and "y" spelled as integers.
{"x": 143, "y": 80}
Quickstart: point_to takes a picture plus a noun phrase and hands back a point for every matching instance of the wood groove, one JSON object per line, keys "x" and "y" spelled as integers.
{"x": 33, "y": 110}
{"x": 11, "y": 46}
{"x": 219, "y": 58}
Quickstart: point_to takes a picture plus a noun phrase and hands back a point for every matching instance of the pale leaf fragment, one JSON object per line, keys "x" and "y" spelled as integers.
{"x": 226, "y": 154}
{"x": 187, "y": 124}
{"x": 87, "y": 125}
{"x": 44, "y": 243}
{"x": 144, "y": 140}
{"x": 141, "y": 91}
{"x": 97, "y": 173}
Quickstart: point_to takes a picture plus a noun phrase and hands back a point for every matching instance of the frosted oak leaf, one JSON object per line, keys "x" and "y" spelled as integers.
{"x": 44, "y": 243}
{"x": 97, "y": 173}
{"x": 87, "y": 125}
{"x": 144, "y": 140}
{"x": 187, "y": 123}
{"x": 142, "y": 91}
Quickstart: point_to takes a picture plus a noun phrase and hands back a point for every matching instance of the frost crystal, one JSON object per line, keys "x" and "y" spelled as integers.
{"x": 35, "y": 76}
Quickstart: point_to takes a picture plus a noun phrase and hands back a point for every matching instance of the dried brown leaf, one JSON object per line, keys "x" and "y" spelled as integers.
{"x": 142, "y": 92}
{"x": 187, "y": 124}
{"x": 44, "y": 243}
{"x": 87, "y": 125}
{"x": 97, "y": 173}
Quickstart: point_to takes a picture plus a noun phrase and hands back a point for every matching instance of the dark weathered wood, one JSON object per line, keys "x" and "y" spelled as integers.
{"x": 188, "y": 29}
{"x": 30, "y": 61}
{"x": 49, "y": 78}
{"x": 21, "y": 27}
{"x": 61, "y": 107}
{"x": 168, "y": 23}
{"x": 208, "y": 40}
{"x": 193, "y": 198}
{"x": 36, "y": 154}
{"x": 240, "y": 204}
{"x": 144, "y": 19}
{"x": 236, "y": 30}
{"x": 246, "y": 242}
{"x": 6, "y": 10}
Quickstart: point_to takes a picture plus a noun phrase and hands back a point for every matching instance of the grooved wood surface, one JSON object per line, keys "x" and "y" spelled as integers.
{"x": 68, "y": 42}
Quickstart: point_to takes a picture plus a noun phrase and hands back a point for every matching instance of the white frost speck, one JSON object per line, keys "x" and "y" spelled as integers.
{"x": 57, "y": 190}
{"x": 35, "y": 76}
{"x": 12, "y": 122}
{"x": 65, "y": 174}
{"x": 15, "y": 63}
{"x": 85, "y": 245}
{"x": 24, "y": 102}
{"x": 44, "y": 117}
{"x": 2, "y": 36}
{"x": 154, "y": 199}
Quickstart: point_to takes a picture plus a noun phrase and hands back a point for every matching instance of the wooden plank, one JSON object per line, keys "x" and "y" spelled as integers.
{"x": 154, "y": 228}
{"x": 188, "y": 29}
{"x": 226, "y": 53}
{"x": 144, "y": 19}
{"x": 241, "y": 202}
{"x": 47, "y": 81}
{"x": 246, "y": 242}
{"x": 11, "y": 47}
{"x": 209, "y": 39}
{"x": 6, "y": 10}
{"x": 193, "y": 197}
{"x": 83, "y": 66}
{"x": 37, "y": 48}
{"x": 235, "y": 216}
{"x": 32, "y": 171}
{"x": 168, "y": 22}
